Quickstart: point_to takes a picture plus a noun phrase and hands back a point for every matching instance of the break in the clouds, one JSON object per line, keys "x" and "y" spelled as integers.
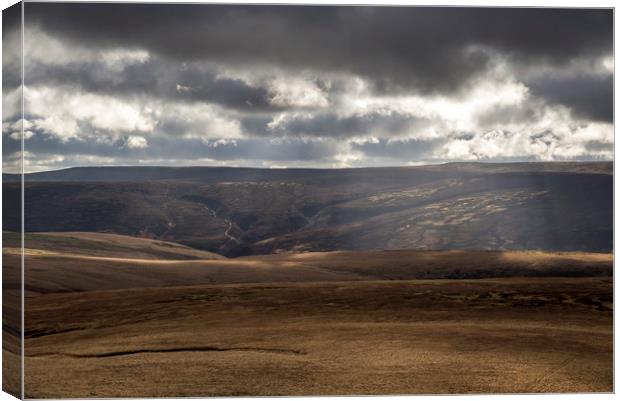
{"x": 311, "y": 86}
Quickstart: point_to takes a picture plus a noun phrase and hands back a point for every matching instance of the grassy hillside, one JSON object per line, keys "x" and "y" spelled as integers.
{"x": 459, "y": 278}
{"x": 365, "y": 337}
{"x": 52, "y": 268}
{"x": 546, "y": 206}
{"x": 105, "y": 245}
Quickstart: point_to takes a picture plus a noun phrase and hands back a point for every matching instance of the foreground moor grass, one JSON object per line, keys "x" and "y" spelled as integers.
{"x": 172, "y": 321}
{"x": 360, "y": 337}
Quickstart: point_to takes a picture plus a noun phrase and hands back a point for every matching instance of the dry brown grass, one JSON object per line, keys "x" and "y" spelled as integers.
{"x": 105, "y": 245}
{"x": 52, "y": 271}
{"x": 132, "y": 247}
{"x": 389, "y": 322}
{"x": 396, "y": 337}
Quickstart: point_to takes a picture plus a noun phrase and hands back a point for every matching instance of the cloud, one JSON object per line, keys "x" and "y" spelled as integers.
{"x": 589, "y": 142}
{"x": 196, "y": 120}
{"x": 308, "y": 86}
{"x": 64, "y": 113}
{"x": 589, "y": 96}
{"x": 408, "y": 150}
{"x": 296, "y": 92}
{"x": 378, "y": 123}
{"x": 45, "y": 152}
{"x": 11, "y": 49}
{"x": 127, "y": 74}
{"x": 136, "y": 142}
{"x": 68, "y": 114}
{"x": 432, "y": 49}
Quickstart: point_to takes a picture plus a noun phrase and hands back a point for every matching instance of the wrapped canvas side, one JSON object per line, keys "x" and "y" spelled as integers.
{"x": 12, "y": 198}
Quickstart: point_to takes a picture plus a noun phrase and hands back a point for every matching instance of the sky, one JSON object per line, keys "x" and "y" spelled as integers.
{"x": 306, "y": 86}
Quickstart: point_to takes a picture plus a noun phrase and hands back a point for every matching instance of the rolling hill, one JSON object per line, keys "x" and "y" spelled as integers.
{"x": 78, "y": 262}
{"x": 239, "y": 211}
{"x": 398, "y": 319}
{"x": 106, "y": 245}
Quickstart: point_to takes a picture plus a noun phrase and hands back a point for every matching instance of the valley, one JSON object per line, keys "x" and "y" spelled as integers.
{"x": 237, "y": 212}
{"x": 448, "y": 279}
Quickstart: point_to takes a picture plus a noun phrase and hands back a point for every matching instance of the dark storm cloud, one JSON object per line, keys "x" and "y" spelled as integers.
{"x": 312, "y": 85}
{"x": 42, "y": 144}
{"x": 426, "y": 48}
{"x": 155, "y": 78}
{"x": 9, "y": 146}
{"x": 589, "y": 96}
{"x": 256, "y": 125}
{"x": 11, "y": 18}
{"x": 95, "y": 77}
{"x": 11, "y": 44}
{"x": 11, "y": 79}
{"x": 203, "y": 85}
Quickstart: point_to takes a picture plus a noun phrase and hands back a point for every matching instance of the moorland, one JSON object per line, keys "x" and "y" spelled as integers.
{"x": 457, "y": 278}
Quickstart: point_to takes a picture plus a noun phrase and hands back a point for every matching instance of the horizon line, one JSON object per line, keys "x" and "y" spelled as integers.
{"x": 319, "y": 168}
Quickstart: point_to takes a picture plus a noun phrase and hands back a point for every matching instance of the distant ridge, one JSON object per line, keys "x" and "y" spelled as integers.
{"x": 243, "y": 211}
{"x": 216, "y": 173}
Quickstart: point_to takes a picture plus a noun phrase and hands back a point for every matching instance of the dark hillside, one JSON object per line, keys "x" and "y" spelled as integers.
{"x": 546, "y": 206}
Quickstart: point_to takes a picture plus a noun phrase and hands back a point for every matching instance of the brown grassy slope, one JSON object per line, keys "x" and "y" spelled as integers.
{"x": 55, "y": 272}
{"x": 48, "y": 271}
{"x": 107, "y": 245}
{"x": 11, "y": 325}
{"x": 389, "y": 337}
{"x": 403, "y": 264}
{"x": 317, "y": 324}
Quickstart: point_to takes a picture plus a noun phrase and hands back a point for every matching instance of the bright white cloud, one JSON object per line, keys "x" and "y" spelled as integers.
{"x": 136, "y": 142}
{"x": 60, "y": 112}
{"x": 546, "y": 145}
{"x": 17, "y": 135}
{"x": 608, "y": 64}
{"x": 457, "y": 113}
{"x": 296, "y": 92}
{"x": 197, "y": 120}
